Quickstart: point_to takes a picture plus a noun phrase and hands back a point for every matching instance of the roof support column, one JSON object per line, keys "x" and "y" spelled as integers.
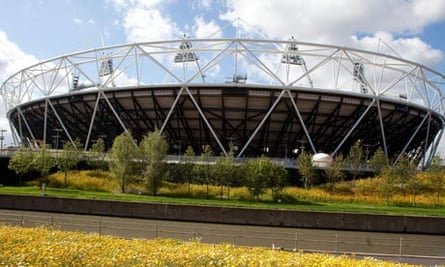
{"x": 303, "y": 125}
{"x": 261, "y": 123}
{"x": 412, "y": 137}
{"x": 206, "y": 121}
{"x": 354, "y": 127}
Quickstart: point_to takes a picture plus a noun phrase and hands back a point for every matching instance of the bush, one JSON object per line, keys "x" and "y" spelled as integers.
{"x": 85, "y": 180}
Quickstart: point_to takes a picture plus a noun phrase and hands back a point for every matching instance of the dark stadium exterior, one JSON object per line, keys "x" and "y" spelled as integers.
{"x": 255, "y": 97}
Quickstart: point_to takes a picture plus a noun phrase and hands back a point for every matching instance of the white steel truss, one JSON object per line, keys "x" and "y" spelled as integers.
{"x": 313, "y": 82}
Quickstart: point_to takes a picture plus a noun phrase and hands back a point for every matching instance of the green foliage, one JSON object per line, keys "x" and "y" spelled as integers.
{"x": 388, "y": 182}
{"x": 205, "y": 169}
{"x": 69, "y": 157}
{"x": 187, "y": 168}
{"x": 96, "y": 155}
{"x": 335, "y": 172}
{"x": 405, "y": 173}
{"x": 22, "y": 162}
{"x": 277, "y": 181}
{"x": 27, "y": 160}
{"x": 355, "y": 158}
{"x": 436, "y": 178}
{"x": 153, "y": 152}
{"x": 378, "y": 161}
{"x": 306, "y": 169}
{"x": 123, "y": 159}
{"x": 257, "y": 173}
{"x": 224, "y": 172}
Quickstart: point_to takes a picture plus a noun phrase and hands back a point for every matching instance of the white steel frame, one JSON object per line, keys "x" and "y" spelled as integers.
{"x": 326, "y": 68}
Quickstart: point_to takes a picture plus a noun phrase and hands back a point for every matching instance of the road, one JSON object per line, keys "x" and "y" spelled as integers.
{"x": 409, "y": 248}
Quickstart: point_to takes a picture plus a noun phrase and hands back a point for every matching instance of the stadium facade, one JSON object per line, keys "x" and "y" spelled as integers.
{"x": 250, "y": 96}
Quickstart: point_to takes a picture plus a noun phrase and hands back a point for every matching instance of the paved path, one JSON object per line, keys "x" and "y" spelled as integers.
{"x": 419, "y": 249}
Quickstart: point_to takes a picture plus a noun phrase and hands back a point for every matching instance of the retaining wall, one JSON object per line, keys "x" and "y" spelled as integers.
{"x": 247, "y": 216}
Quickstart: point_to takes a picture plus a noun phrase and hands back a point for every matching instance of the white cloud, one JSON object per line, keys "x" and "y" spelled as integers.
{"x": 202, "y": 4}
{"x": 429, "y": 11}
{"x": 413, "y": 49}
{"x": 204, "y": 29}
{"x": 91, "y": 21}
{"x": 77, "y": 21}
{"x": 347, "y": 23}
{"x": 326, "y": 20}
{"x": 143, "y": 21}
{"x": 12, "y": 59}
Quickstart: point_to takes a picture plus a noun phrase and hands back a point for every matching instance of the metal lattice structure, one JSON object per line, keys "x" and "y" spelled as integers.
{"x": 252, "y": 96}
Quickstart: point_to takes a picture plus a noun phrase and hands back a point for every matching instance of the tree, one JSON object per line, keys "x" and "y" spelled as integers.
{"x": 154, "y": 149}
{"x": 405, "y": 173}
{"x": 22, "y": 162}
{"x": 335, "y": 172}
{"x": 205, "y": 168}
{"x": 43, "y": 162}
{"x": 27, "y": 160}
{"x": 256, "y": 176}
{"x": 97, "y": 154}
{"x": 187, "y": 168}
{"x": 355, "y": 158}
{"x": 378, "y": 161}
{"x": 123, "y": 159}
{"x": 224, "y": 170}
{"x": 306, "y": 169}
{"x": 69, "y": 157}
{"x": 436, "y": 178}
{"x": 277, "y": 180}
{"x": 387, "y": 183}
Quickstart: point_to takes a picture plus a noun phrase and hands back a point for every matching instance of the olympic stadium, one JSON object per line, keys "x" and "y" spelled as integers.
{"x": 250, "y": 96}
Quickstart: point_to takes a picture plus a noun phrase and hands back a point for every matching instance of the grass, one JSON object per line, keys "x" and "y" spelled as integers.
{"x": 336, "y": 206}
{"x": 359, "y": 198}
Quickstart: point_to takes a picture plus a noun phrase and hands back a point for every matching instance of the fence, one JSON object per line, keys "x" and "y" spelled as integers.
{"x": 358, "y": 243}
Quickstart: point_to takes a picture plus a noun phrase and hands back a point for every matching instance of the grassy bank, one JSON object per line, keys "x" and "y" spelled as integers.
{"x": 305, "y": 205}
{"x": 361, "y": 196}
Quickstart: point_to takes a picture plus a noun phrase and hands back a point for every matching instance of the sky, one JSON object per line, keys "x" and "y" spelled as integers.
{"x": 36, "y": 30}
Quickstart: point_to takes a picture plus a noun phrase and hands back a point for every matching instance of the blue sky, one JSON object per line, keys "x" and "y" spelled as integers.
{"x": 35, "y": 30}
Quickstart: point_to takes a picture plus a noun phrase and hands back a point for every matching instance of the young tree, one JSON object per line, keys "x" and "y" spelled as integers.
{"x": 206, "y": 168}
{"x": 335, "y": 172}
{"x": 256, "y": 176}
{"x": 224, "y": 170}
{"x": 355, "y": 158}
{"x": 378, "y": 161}
{"x": 436, "y": 178}
{"x": 154, "y": 149}
{"x": 22, "y": 162}
{"x": 43, "y": 162}
{"x": 97, "y": 155}
{"x": 388, "y": 181}
{"x": 187, "y": 168}
{"x": 69, "y": 157}
{"x": 277, "y": 180}
{"x": 306, "y": 169}
{"x": 123, "y": 158}
{"x": 405, "y": 173}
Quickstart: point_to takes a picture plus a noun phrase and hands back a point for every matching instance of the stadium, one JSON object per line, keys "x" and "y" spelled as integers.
{"x": 250, "y": 96}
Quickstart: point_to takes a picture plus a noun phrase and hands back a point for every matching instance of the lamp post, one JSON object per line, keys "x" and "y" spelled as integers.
{"x": 2, "y": 137}
{"x": 56, "y": 137}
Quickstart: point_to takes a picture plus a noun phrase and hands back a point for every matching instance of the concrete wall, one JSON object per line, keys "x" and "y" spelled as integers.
{"x": 285, "y": 218}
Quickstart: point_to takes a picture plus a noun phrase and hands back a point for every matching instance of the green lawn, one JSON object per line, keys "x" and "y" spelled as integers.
{"x": 305, "y": 206}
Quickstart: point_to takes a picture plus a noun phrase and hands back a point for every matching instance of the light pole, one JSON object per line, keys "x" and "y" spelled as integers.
{"x": 2, "y": 137}
{"x": 56, "y": 137}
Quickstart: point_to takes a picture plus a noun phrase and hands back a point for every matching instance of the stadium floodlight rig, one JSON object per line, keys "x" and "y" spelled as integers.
{"x": 280, "y": 94}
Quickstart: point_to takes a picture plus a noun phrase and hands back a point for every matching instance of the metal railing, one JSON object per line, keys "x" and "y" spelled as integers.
{"x": 289, "y": 239}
